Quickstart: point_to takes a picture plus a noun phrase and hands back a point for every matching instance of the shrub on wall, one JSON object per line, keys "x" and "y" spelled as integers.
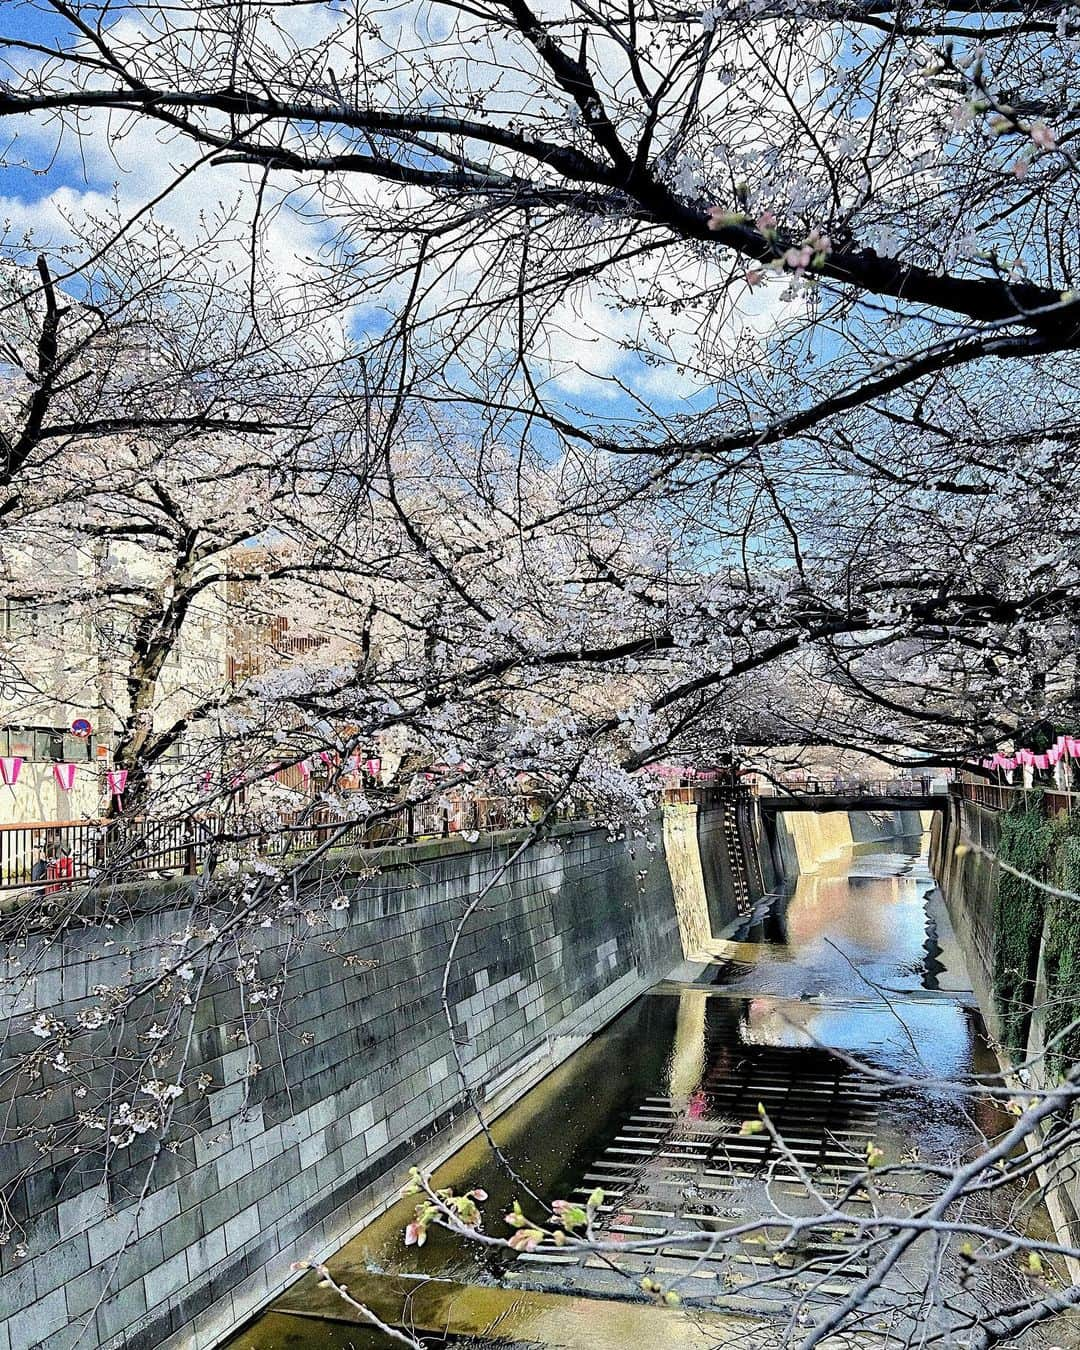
{"x": 1019, "y": 911}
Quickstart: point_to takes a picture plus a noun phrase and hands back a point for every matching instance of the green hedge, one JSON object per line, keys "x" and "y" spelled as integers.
{"x": 1025, "y": 917}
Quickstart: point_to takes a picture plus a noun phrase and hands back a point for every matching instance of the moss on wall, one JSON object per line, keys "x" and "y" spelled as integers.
{"x": 1026, "y": 917}
{"x": 1061, "y": 948}
{"x": 1018, "y": 919}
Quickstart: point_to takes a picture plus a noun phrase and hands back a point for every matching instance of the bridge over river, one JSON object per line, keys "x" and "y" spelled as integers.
{"x": 897, "y": 794}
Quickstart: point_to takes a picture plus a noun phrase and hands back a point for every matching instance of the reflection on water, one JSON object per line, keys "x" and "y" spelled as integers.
{"x": 853, "y": 924}
{"x": 857, "y": 963}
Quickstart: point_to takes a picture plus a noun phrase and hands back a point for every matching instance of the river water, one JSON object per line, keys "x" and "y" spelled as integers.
{"x": 843, "y": 1008}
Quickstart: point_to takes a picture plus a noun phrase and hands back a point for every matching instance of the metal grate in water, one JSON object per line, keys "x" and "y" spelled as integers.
{"x": 683, "y": 1167}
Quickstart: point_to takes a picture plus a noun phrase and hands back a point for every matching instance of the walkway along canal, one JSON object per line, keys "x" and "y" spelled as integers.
{"x": 842, "y": 1007}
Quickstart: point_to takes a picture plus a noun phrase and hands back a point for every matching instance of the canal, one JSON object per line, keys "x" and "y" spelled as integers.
{"x": 840, "y": 1007}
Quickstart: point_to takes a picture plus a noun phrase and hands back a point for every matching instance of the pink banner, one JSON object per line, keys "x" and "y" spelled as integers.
{"x": 305, "y": 769}
{"x": 10, "y": 768}
{"x": 1041, "y": 761}
{"x": 64, "y": 775}
{"x": 117, "y": 781}
{"x": 326, "y": 757}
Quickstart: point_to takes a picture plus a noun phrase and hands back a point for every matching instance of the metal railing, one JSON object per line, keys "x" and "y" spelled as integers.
{"x": 707, "y": 794}
{"x": 50, "y": 855}
{"x": 1003, "y": 796}
{"x": 909, "y": 786}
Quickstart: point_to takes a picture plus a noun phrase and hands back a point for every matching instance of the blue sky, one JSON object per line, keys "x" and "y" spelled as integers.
{"x": 80, "y": 178}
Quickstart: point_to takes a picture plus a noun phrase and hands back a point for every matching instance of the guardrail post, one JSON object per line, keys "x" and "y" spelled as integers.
{"x": 191, "y": 862}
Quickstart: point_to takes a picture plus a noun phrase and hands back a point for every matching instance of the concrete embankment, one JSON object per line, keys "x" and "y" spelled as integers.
{"x": 315, "y": 1098}
{"x": 966, "y": 848}
{"x": 799, "y": 841}
{"x": 303, "y": 1108}
{"x": 963, "y": 858}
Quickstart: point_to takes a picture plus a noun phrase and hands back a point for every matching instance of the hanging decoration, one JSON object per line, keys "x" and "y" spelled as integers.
{"x": 64, "y": 775}
{"x": 10, "y": 768}
{"x": 117, "y": 781}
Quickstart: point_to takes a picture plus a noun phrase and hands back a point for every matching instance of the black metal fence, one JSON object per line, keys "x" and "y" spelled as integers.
{"x": 52, "y": 854}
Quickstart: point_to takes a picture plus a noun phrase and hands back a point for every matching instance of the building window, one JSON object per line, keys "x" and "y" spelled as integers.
{"x": 13, "y": 616}
{"x": 45, "y": 745}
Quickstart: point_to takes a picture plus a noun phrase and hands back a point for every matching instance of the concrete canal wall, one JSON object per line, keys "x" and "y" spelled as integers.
{"x": 964, "y": 853}
{"x": 713, "y": 853}
{"x": 799, "y": 841}
{"x": 316, "y": 1102}
{"x": 968, "y": 878}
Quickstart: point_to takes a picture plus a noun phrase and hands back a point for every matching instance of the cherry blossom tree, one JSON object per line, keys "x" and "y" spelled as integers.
{"x": 841, "y": 238}
{"x": 588, "y": 386}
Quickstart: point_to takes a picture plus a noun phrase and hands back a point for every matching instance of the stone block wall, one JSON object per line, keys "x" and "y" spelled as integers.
{"x": 319, "y": 1100}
